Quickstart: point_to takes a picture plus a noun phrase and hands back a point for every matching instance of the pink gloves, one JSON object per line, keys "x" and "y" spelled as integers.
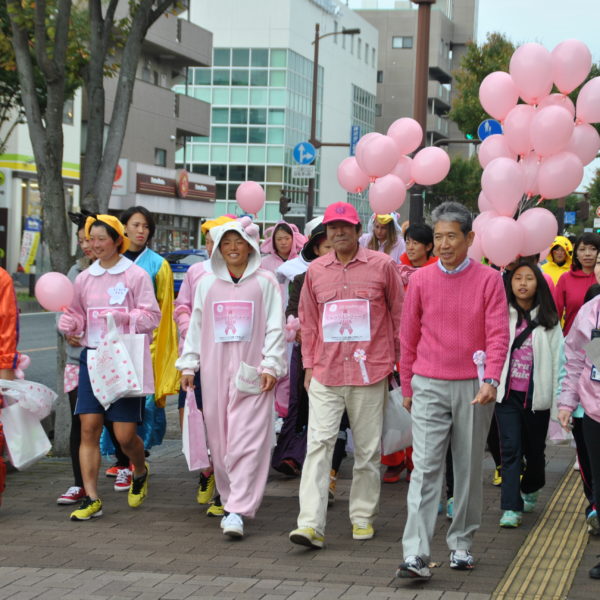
{"x": 67, "y": 324}
{"x": 121, "y": 318}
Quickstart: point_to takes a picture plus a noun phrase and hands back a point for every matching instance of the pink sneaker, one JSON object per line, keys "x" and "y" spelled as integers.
{"x": 73, "y": 495}
{"x": 123, "y": 481}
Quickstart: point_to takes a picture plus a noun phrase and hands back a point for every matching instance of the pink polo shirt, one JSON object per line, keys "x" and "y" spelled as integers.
{"x": 350, "y": 318}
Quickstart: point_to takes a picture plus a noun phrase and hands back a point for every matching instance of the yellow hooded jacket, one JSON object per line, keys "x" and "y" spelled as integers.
{"x": 551, "y": 268}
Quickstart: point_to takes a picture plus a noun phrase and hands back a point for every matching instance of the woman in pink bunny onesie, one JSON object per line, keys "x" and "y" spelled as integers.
{"x": 241, "y": 367}
{"x": 113, "y": 285}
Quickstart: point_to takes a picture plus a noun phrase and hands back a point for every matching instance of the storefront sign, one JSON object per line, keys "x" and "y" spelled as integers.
{"x": 30, "y": 243}
{"x": 164, "y": 186}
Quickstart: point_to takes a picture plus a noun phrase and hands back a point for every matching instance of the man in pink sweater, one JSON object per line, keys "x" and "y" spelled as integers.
{"x": 455, "y": 310}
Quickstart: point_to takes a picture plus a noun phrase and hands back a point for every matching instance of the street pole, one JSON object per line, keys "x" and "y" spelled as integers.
{"x": 420, "y": 95}
{"x": 310, "y": 197}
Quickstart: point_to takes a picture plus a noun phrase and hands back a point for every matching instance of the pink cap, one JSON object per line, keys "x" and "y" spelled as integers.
{"x": 341, "y": 211}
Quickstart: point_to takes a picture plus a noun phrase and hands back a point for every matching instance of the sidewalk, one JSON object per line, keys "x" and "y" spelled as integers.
{"x": 169, "y": 549}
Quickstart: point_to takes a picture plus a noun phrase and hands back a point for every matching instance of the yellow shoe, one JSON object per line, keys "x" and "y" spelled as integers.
{"x": 364, "y": 531}
{"x": 216, "y": 509}
{"x": 89, "y": 509}
{"x": 307, "y": 536}
{"x": 139, "y": 489}
{"x": 497, "y": 478}
{"x": 206, "y": 488}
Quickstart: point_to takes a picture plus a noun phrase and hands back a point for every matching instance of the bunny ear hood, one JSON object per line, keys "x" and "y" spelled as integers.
{"x": 298, "y": 239}
{"x": 218, "y": 262}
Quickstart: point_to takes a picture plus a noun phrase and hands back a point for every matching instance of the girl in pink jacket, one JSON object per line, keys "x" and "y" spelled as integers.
{"x": 112, "y": 284}
{"x": 241, "y": 366}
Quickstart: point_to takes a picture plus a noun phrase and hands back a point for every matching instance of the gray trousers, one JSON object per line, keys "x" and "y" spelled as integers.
{"x": 442, "y": 413}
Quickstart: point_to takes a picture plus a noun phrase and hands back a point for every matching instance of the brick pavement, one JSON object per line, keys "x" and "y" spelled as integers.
{"x": 168, "y": 549}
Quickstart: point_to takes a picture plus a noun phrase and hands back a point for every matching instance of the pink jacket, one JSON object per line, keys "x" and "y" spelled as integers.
{"x": 577, "y": 386}
{"x": 123, "y": 286}
{"x": 569, "y": 294}
{"x": 185, "y": 299}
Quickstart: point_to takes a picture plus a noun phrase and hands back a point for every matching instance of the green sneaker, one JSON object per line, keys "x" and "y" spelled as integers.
{"x": 511, "y": 519}
{"x": 89, "y": 509}
{"x": 529, "y": 501}
{"x": 139, "y": 489}
{"x": 307, "y": 536}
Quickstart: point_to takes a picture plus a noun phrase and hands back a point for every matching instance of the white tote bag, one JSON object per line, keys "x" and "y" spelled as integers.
{"x": 397, "y": 423}
{"x": 25, "y": 437}
{"x": 112, "y": 368}
{"x": 35, "y": 397}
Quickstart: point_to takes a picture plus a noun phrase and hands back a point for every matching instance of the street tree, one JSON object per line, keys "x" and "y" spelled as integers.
{"x": 462, "y": 184}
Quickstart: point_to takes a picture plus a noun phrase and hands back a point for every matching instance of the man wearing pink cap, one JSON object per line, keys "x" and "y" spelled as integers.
{"x": 349, "y": 312}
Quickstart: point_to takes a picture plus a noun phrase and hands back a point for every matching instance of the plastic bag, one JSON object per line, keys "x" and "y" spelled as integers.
{"x": 194, "y": 435}
{"x": 34, "y": 397}
{"x": 397, "y": 423}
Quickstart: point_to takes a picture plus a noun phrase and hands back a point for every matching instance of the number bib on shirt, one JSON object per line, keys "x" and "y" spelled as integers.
{"x": 232, "y": 320}
{"x": 96, "y": 325}
{"x": 347, "y": 321}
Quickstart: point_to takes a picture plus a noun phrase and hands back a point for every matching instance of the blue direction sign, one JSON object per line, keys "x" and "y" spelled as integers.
{"x": 354, "y": 137}
{"x": 487, "y": 128}
{"x": 304, "y": 153}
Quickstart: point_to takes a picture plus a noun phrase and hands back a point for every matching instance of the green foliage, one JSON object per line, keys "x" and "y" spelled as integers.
{"x": 462, "y": 184}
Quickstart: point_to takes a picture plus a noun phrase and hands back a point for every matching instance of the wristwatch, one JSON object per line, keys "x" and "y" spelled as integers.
{"x": 493, "y": 382}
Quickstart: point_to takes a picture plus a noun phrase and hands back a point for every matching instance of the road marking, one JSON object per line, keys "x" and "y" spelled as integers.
{"x": 37, "y": 349}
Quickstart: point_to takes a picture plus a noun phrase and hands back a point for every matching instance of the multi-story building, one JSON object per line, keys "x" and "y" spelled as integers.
{"x": 260, "y": 88}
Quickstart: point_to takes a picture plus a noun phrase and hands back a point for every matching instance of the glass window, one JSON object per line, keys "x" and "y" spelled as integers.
{"x": 378, "y": 110}
{"x": 358, "y": 48}
{"x": 260, "y": 57}
{"x": 200, "y": 153}
{"x": 221, "y": 191}
{"x": 200, "y": 169}
{"x": 277, "y": 97}
{"x": 221, "y": 57}
{"x": 190, "y": 75}
{"x": 237, "y": 172}
{"x": 239, "y": 115}
{"x": 220, "y": 115}
{"x": 274, "y": 174}
{"x": 258, "y": 77}
{"x": 239, "y": 96}
{"x": 278, "y": 58}
{"x": 221, "y": 76}
{"x": 160, "y": 157}
{"x": 257, "y": 135}
{"x": 379, "y": 76}
{"x": 239, "y": 77}
{"x": 277, "y": 78}
{"x": 273, "y": 193}
{"x": 238, "y": 135}
{"x": 218, "y": 134}
{"x": 399, "y": 41}
{"x": 237, "y": 154}
{"x": 275, "y": 135}
{"x": 202, "y": 93}
{"x": 218, "y": 153}
{"x": 258, "y": 97}
{"x": 276, "y": 116}
{"x": 258, "y": 116}
{"x": 202, "y": 76}
{"x": 257, "y": 153}
{"x": 241, "y": 57}
{"x": 275, "y": 154}
{"x": 221, "y": 96}
{"x": 256, "y": 173}
{"x": 219, "y": 172}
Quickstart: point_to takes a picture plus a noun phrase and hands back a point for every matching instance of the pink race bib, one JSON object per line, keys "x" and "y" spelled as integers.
{"x": 347, "y": 321}
{"x": 232, "y": 321}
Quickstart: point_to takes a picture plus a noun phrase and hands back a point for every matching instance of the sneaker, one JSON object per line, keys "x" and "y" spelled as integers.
{"x": 497, "y": 477}
{"x": 113, "y": 471}
{"x": 362, "y": 531}
{"x": 392, "y": 474}
{"x": 595, "y": 572}
{"x": 576, "y": 464}
{"x": 511, "y": 519}
{"x": 307, "y": 536}
{"x": 233, "y": 525}
{"x": 332, "y": 484}
{"x": 462, "y": 560}
{"x": 450, "y": 508}
{"x": 414, "y": 567}
{"x": 216, "y": 509}
{"x": 529, "y": 501}
{"x": 206, "y": 488}
{"x": 123, "y": 481}
{"x": 593, "y": 523}
{"x": 139, "y": 489}
{"x": 73, "y": 495}
{"x": 289, "y": 467}
{"x": 88, "y": 509}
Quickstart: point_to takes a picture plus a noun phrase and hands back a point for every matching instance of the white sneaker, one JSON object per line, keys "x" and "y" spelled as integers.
{"x": 123, "y": 480}
{"x": 233, "y": 525}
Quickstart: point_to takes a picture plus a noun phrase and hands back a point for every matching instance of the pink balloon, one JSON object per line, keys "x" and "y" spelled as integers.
{"x": 364, "y": 142}
{"x": 530, "y": 165}
{"x": 585, "y": 143}
{"x": 351, "y": 177}
{"x": 480, "y": 221}
{"x": 560, "y": 175}
{"x": 558, "y": 100}
{"x": 551, "y": 129}
{"x": 430, "y": 165}
{"x": 402, "y": 169}
{"x": 539, "y": 227}
{"x": 516, "y": 128}
{"x": 493, "y": 147}
{"x": 378, "y": 157}
{"x": 502, "y": 240}
{"x": 588, "y": 102}
{"x": 571, "y": 64}
{"x": 54, "y": 291}
{"x": 531, "y": 70}
{"x": 407, "y": 133}
{"x": 475, "y": 251}
{"x": 387, "y": 194}
{"x": 250, "y": 196}
{"x": 498, "y": 94}
{"x": 483, "y": 203}
{"x": 503, "y": 184}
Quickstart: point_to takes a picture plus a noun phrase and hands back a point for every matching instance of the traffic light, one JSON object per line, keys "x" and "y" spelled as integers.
{"x": 283, "y": 204}
{"x": 469, "y": 136}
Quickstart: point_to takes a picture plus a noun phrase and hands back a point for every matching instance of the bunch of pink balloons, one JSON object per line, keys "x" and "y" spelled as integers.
{"x": 382, "y": 166}
{"x": 250, "y": 196}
